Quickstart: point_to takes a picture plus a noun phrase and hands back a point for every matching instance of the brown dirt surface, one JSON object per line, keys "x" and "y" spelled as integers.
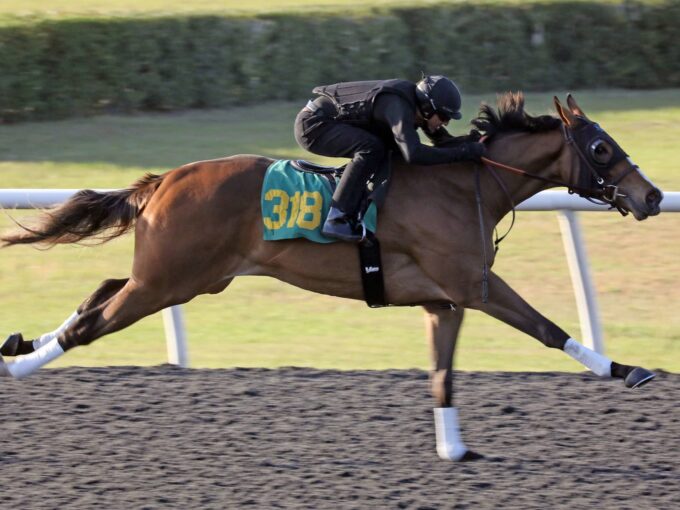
{"x": 164, "y": 437}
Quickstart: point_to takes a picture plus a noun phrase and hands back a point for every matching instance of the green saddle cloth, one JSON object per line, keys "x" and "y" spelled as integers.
{"x": 296, "y": 203}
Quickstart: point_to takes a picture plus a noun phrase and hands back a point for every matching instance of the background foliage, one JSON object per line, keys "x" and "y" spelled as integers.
{"x": 60, "y": 66}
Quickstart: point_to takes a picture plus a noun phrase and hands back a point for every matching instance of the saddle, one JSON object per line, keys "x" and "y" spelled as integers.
{"x": 331, "y": 173}
{"x": 307, "y": 166}
{"x": 376, "y": 188}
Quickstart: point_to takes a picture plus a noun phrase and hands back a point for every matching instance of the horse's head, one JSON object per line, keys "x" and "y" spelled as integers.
{"x": 604, "y": 168}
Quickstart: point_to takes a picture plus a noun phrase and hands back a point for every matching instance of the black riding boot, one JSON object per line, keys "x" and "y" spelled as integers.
{"x": 343, "y": 218}
{"x": 343, "y": 226}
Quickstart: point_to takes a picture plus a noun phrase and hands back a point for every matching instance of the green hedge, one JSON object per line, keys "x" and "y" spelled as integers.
{"x": 51, "y": 68}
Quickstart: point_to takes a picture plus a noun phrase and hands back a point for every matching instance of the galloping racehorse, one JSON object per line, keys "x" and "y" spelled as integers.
{"x": 199, "y": 226}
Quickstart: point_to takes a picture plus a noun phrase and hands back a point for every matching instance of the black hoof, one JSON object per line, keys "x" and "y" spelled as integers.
{"x": 11, "y": 346}
{"x": 470, "y": 456}
{"x": 638, "y": 377}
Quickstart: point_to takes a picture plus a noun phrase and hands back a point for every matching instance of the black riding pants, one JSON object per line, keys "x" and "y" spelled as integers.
{"x": 320, "y": 134}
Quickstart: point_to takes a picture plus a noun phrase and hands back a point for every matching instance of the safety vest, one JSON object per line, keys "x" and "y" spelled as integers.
{"x": 354, "y": 100}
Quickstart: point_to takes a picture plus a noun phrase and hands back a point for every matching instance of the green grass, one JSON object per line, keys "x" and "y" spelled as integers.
{"x": 261, "y": 322}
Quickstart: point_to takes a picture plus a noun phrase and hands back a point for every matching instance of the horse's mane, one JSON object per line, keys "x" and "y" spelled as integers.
{"x": 511, "y": 116}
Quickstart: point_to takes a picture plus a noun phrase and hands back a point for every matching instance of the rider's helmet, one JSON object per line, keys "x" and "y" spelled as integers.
{"x": 438, "y": 94}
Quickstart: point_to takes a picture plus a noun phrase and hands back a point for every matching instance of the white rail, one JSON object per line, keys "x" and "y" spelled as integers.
{"x": 560, "y": 201}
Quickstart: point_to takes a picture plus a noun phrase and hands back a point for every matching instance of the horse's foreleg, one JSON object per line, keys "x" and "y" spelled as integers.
{"x": 508, "y": 306}
{"x": 442, "y": 326}
{"x": 15, "y": 345}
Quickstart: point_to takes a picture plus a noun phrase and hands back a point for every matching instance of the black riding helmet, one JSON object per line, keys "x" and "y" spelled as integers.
{"x": 437, "y": 94}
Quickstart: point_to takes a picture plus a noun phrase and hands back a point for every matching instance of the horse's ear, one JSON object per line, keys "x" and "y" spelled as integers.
{"x": 575, "y": 109}
{"x": 566, "y": 117}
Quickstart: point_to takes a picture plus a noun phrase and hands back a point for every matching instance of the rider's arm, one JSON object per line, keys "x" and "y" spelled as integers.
{"x": 396, "y": 112}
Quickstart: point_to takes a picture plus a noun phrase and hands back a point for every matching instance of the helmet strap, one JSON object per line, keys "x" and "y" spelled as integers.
{"x": 428, "y": 108}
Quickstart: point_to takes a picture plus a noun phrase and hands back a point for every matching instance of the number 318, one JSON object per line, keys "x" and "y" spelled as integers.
{"x": 305, "y": 209}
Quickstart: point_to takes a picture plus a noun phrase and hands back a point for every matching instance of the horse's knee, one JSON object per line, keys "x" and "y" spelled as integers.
{"x": 440, "y": 381}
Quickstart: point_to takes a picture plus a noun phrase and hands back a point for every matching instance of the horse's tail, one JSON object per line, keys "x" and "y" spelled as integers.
{"x": 88, "y": 215}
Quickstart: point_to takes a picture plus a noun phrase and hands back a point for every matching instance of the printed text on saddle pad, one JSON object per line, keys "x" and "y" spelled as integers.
{"x": 296, "y": 203}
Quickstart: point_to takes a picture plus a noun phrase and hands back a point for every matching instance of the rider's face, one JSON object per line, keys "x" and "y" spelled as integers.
{"x": 435, "y": 122}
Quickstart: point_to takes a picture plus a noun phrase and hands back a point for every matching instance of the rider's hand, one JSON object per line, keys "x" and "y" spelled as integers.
{"x": 468, "y": 151}
{"x": 475, "y": 150}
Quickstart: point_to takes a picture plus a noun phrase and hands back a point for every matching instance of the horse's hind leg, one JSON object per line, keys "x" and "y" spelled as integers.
{"x": 127, "y": 306}
{"x": 505, "y": 304}
{"x": 133, "y": 302}
{"x": 106, "y": 290}
{"x": 15, "y": 344}
{"x": 442, "y": 326}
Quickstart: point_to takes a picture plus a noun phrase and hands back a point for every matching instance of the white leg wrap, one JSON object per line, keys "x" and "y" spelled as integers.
{"x": 44, "y": 339}
{"x": 28, "y": 363}
{"x": 449, "y": 444}
{"x": 599, "y": 364}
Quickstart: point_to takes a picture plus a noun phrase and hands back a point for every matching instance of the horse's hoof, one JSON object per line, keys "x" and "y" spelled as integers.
{"x": 638, "y": 377}
{"x": 4, "y": 371}
{"x": 470, "y": 456}
{"x": 10, "y": 347}
{"x": 455, "y": 456}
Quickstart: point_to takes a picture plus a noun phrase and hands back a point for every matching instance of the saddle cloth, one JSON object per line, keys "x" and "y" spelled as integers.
{"x": 295, "y": 204}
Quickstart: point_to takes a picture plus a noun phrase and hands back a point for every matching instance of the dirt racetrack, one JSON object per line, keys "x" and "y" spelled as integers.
{"x": 165, "y": 437}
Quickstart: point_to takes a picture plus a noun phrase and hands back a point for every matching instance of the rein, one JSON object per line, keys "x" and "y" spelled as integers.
{"x": 524, "y": 173}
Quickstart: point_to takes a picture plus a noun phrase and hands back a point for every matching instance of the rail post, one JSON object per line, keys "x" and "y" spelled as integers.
{"x": 175, "y": 336}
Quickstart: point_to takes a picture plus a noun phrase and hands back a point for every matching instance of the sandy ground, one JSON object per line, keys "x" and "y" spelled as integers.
{"x": 164, "y": 437}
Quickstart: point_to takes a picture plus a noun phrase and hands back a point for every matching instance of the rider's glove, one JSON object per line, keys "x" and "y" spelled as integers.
{"x": 468, "y": 151}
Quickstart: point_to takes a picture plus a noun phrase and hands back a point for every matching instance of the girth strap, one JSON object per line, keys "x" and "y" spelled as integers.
{"x": 372, "y": 279}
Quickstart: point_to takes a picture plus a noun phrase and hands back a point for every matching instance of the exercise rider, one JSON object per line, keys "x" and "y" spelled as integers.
{"x": 366, "y": 119}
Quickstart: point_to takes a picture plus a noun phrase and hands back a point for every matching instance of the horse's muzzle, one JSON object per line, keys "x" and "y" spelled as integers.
{"x": 644, "y": 206}
{"x": 653, "y": 201}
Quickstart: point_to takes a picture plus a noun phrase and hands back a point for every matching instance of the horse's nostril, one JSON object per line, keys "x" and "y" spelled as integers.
{"x": 654, "y": 198}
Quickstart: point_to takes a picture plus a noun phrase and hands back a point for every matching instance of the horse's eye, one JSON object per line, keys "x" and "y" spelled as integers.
{"x": 601, "y": 151}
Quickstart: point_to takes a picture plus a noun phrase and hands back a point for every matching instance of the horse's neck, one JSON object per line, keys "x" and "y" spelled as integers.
{"x": 452, "y": 190}
{"x": 537, "y": 154}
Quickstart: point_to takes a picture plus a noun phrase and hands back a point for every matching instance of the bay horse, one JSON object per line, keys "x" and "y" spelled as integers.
{"x": 199, "y": 226}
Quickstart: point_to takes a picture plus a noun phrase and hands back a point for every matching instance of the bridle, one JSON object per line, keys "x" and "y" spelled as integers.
{"x": 592, "y": 182}
{"x": 598, "y": 185}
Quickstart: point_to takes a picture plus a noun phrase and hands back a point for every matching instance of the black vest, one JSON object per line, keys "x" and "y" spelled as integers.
{"x": 354, "y": 100}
